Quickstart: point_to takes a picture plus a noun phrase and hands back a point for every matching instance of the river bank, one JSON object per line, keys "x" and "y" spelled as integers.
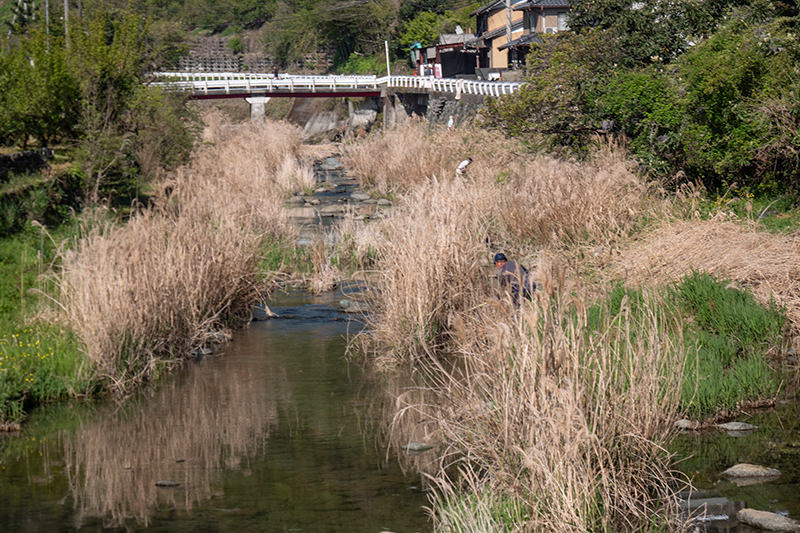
{"x": 605, "y": 358}
{"x": 576, "y": 393}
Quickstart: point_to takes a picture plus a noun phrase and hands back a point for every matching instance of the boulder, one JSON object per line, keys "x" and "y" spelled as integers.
{"x": 687, "y": 425}
{"x": 746, "y": 470}
{"x": 766, "y": 520}
{"x": 417, "y": 447}
{"x": 333, "y": 209}
{"x": 736, "y": 426}
{"x": 383, "y": 202}
{"x": 350, "y": 306}
{"x": 295, "y": 200}
{"x": 360, "y": 196}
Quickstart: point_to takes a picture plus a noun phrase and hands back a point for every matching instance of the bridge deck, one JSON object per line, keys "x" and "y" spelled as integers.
{"x": 238, "y": 85}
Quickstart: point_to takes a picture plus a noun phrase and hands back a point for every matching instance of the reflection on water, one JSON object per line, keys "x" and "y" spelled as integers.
{"x": 775, "y": 444}
{"x": 268, "y": 436}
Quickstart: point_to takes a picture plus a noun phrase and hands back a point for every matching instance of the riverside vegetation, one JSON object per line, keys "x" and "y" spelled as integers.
{"x": 650, "y": 306}
{"x": 625, "y": 335}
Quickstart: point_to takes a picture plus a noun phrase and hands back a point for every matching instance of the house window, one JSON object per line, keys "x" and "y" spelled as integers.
{"x": 562, "y": 21}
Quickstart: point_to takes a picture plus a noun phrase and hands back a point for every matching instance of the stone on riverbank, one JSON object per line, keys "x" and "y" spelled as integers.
{"x": 746, "y": 470}
{"x": 417, "y": 447}
{"x": 350, "y": 306}
{"x": 736, "y": 426}
{"x": 360, "y": 196}
{"x": 766, "y": 520}
{"x": 687, "y": 425}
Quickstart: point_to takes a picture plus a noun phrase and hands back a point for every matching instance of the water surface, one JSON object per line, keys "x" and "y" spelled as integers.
{"x": 276, "y": 433}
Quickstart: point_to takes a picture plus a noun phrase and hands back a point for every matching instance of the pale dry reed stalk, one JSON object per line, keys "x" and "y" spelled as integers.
{"x": 557, "y": 202}
{"x": 429, "y": 267}
{"x": 397, "y": 159}
{"x": 767, "y": 264}
{"x": 560, "y": 421}
{"x": 171, "y": 277}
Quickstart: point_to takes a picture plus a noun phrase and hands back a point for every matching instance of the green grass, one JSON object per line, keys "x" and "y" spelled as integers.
{"x": 284, "y": 256}
{"x": 39, "y": 362}
{"x": 728, "y": 338}
{"x": 777, "y": 214}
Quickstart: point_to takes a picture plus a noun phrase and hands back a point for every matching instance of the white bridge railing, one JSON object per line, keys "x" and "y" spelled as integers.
{"x": 454, "y": 85}
{"x": 232, "y": 83}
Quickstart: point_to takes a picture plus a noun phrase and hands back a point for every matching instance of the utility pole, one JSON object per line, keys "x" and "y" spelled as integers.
{"x": 47, "y": 22}
{"x": 388, "y": 69}
{"x": 508, "y": 21}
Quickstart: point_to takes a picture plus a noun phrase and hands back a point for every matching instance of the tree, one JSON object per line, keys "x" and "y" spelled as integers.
{"x": 38, "y": 93}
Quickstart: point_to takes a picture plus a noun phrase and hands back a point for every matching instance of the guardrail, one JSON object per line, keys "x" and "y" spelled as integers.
{"x": 228, "y": 83}
{"x": 455, "y": 85}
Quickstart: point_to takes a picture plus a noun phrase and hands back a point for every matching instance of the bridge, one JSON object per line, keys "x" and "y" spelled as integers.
{"x": 241, "y": 85}
{"x": 400, "y": 95}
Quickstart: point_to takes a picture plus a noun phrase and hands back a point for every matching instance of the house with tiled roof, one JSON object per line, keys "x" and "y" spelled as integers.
{"x": 506, "y": 28}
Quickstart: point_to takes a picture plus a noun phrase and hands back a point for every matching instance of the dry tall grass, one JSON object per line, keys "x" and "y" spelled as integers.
{"x": 170, "y": 278}
{"x": 555, "y": 426}
{"x": 767, "y": 264}
{"x": 565, "y": 419}
{"x": 536, "y": 198}
{"x": 429, "y": 267}
{"x": 395, "y": 160}
{"x": 433, "y": 250}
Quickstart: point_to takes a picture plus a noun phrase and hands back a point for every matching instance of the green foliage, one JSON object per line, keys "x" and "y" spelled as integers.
{"x": 722, "y": 111}
{"x": 236, "y": 46}
{"x": 341, "y": 25}
{"x": 728, "y": 338}
{"x": 423, "y": 28}
{"x": 732, "y": 335}
{"x": 282, "y": 256}
{"x": 38, "y": 92}
{"x": 38, "y": 362}
{"x": 361, "y": 64}
{"x": 562, "y": 74}
{"x": 35, "y": 197}
{"x": 653, "y": 31}
{"x": 411, "y": 8}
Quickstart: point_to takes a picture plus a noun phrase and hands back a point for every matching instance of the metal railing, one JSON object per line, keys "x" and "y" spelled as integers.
{"x": 210, "y": 83}
{"x": 454, "y": 85}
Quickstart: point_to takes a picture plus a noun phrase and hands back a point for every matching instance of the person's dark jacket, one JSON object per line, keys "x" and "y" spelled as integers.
{"x": 514, "y": 277}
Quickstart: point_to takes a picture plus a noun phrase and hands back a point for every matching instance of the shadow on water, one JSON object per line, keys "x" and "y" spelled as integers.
{"x": 270, "y": 436}
{"x": 775, "y": 444}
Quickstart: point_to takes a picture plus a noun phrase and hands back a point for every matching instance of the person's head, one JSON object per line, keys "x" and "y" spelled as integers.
{"x": 500, "y": 260}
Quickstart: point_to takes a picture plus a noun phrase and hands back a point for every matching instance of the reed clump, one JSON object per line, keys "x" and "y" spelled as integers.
{"x": 395, "y": 160}
{"x": 550, "y": 421}
{"x": 177, "y": 273}
{"x": 555, "y": 420}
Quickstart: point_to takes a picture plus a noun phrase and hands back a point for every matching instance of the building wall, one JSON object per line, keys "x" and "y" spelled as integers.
{"x": 548, "y": 18}
{"x": 499, "y": 58}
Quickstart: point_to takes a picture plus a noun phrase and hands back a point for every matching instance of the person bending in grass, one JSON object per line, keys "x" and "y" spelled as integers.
{"x": 514, "y": 277}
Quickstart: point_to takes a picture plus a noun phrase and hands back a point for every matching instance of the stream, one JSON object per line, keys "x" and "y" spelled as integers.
{"x": 278, "y": 432}
{"x": 275, "y": 433}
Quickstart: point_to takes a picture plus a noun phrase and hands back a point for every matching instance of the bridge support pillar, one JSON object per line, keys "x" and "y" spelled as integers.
{"x": 257, "y": 112}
